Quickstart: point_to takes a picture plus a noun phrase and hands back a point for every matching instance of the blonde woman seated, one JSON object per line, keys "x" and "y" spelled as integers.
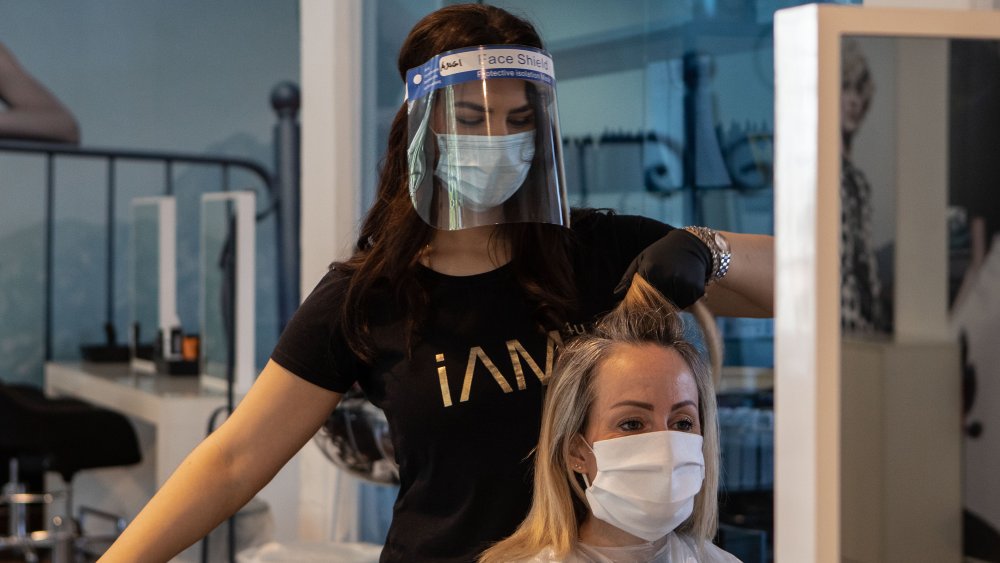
{"x": 627, "y": 464}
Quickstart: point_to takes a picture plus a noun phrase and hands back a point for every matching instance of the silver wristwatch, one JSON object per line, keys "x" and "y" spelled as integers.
{"x": 718, "y": 246}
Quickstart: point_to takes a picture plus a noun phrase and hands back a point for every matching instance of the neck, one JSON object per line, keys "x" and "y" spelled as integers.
{"x": 466, "y": 252}
{"x": 598, "y": 533}
{"x": 845, "y": 145}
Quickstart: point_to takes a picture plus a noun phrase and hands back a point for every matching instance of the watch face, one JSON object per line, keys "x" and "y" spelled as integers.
{"x": 722, "y": 242}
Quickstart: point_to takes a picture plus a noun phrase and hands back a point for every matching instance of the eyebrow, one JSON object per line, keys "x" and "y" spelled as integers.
{"x": 683, "y": 404}
{"x": 649, "y": 406}
{"x": 478, "y": 107}
{"x": 628, "y": 403}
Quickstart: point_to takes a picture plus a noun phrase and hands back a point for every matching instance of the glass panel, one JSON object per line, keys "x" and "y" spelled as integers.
{"x": 79, "y": 275}
{"x": 218, "y": 279}
{"x": 666, "y": 109}
{"x": 228, "y": 289}
{"x": 22, "y": 269}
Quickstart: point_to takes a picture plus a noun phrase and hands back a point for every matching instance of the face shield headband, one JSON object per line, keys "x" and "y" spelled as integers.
{"x": 483, "y": 138}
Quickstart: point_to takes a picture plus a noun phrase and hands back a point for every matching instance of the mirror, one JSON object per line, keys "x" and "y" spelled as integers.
{"x": 919, "y": 121}
{"x": 152, "y": 279}
{"x": 227, "y": 289}
{"x": 888, "y": 289}
{"x": 900, "y": 373}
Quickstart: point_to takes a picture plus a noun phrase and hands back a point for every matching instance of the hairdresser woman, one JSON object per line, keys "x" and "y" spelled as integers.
{"x": 467, "y": 274}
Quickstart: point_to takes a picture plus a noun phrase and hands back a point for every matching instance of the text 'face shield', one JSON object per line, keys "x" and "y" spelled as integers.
{"x": 483, "y": 141}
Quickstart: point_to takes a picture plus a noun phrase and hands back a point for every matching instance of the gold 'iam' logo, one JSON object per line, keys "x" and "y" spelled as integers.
{"x": 518, "y": 358}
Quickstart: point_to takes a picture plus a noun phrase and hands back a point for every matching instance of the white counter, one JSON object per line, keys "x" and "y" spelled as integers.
{"x": 178, "y": 407}
{"x": 170, "y": 415}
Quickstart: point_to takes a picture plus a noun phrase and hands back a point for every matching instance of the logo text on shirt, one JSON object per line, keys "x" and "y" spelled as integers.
{"x": 518, "y": 358}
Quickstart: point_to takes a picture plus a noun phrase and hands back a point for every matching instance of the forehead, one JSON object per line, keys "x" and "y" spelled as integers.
{"x": 510, "y": 90}
{"x": 649, "y": 372}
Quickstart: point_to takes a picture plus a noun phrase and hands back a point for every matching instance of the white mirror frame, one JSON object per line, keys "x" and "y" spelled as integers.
{"x": 166, "y": 208}
{"x": 808, "y": 453}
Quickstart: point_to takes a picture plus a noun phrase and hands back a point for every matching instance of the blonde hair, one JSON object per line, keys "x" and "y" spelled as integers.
{"x": 559, "y": 504}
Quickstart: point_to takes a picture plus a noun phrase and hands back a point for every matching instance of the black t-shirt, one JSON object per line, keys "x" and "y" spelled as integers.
{"x": 465, "y": 408}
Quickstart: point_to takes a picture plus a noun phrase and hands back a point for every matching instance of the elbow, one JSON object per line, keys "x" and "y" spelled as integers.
{"x": 72, "y": 132}
{"x": 67, "y": 131}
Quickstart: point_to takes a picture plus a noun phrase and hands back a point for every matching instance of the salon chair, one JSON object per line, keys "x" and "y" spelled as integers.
{"x": 39, "y": 434}
{"x": 355, "y": 437}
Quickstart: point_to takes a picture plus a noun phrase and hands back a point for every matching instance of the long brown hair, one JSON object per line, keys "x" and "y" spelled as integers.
{"x": 392, "y": 234}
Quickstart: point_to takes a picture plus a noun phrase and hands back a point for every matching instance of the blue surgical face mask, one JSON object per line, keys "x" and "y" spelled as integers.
{"x": 485, "y": 170}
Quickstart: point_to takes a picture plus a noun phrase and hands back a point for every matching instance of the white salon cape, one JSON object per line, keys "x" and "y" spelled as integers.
{"x": 674, "y": 548}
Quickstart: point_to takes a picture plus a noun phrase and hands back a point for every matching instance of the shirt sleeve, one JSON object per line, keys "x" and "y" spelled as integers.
{"x": 636, "y": 233}
{"x": 312, "y": 346}
{"x": 619, "y": 237}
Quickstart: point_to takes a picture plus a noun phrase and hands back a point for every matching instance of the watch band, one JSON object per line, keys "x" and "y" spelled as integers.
{"x": 718, "y": 247}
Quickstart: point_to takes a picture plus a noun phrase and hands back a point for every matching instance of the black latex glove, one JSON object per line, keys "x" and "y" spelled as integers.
{"x": 678, "y": 265}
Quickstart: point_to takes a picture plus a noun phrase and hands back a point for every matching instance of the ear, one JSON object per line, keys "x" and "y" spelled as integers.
{"x": 577, "y": 457}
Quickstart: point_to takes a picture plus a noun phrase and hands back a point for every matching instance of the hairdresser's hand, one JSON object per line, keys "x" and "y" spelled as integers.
{"x": 678, "y": 265}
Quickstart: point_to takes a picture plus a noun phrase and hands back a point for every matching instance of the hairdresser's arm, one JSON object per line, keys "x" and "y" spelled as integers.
{"x": 32, "y": 111}
{"x": 748, "y": 288}
{"x": 276, "y": 418}
{"x": 679, "y": 264}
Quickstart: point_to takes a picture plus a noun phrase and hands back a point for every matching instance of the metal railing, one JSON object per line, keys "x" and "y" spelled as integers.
{"x": 281, "y": 187}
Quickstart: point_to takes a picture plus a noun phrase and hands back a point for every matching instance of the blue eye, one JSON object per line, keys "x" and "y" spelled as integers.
{"x": 630, "y": 425}
{"x": 684, "y": 425}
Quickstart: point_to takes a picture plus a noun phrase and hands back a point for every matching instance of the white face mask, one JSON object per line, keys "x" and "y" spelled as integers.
{"x": 646, "y": 483}
{"x": 485, "y": 170}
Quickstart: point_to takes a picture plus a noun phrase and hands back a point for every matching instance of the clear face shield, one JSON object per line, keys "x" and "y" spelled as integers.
{"x": 484, "y": 145}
